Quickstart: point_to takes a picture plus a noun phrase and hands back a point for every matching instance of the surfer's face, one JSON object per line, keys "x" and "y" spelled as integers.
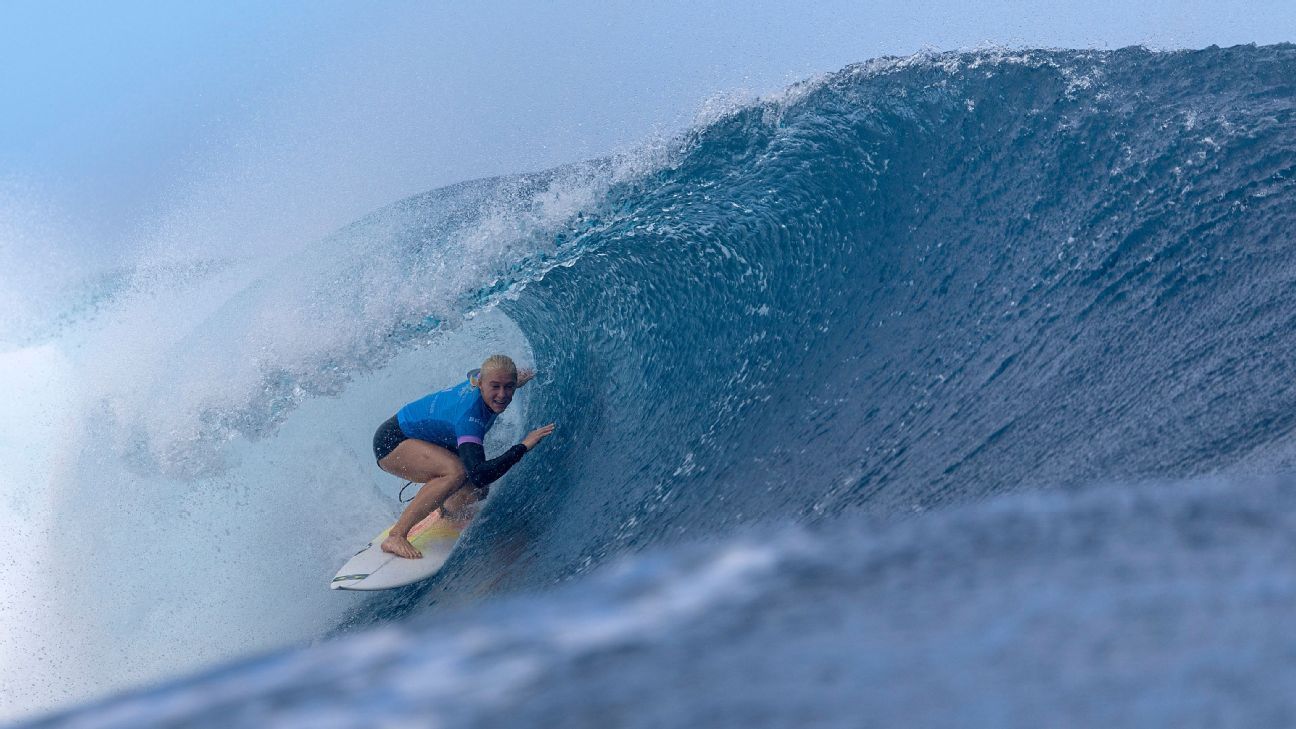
{"x": 497, "y": 389}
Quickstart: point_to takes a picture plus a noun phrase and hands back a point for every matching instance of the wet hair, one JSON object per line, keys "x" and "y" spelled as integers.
{"x": 498, "y": 363}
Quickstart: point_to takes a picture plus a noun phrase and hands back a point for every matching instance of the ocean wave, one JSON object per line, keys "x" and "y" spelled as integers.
{"x": 882, "y": 295}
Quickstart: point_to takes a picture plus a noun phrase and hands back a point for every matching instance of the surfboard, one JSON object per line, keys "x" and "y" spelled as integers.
{"x": 373, "y": 569}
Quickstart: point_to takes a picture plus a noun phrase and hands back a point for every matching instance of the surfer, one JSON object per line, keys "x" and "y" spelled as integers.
{"x": 437, "y": 441}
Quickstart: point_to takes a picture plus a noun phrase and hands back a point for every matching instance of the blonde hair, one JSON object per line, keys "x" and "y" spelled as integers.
{"x": 498, "y": 363}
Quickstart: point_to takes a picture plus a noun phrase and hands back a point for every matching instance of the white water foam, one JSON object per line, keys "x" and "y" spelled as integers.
{"x": 38, "y": 384}
{"x": 156, "y": 575}
{"x": 159, "y": 516}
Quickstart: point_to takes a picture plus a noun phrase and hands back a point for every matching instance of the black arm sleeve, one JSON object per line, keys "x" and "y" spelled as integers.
{"x": 483, "y": 472}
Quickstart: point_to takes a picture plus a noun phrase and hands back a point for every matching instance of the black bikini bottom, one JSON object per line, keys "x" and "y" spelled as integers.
{"x": 387, "y": 437}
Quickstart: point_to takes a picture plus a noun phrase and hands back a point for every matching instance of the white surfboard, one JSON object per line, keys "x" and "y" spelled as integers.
{"x": 373, "y": 569}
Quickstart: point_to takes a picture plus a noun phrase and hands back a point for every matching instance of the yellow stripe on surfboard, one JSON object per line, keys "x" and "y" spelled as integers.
{"x": 432, "y": 528}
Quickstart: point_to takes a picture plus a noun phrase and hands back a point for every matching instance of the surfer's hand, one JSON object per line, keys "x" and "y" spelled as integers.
{"x": 534, "y": 437}
{"x": 525, "y": 375}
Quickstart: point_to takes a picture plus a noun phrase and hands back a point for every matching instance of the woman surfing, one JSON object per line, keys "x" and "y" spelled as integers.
{"x": 437, "y": 441}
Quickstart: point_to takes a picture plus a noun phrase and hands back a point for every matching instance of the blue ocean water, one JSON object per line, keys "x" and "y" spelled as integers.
{"x": 950, "y": 390}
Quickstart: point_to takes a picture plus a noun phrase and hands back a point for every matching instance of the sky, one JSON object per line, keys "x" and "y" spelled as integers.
{"x": 135, "y": 129}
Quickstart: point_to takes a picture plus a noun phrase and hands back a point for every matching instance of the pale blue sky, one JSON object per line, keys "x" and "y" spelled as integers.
{"x": 290, "y": 119}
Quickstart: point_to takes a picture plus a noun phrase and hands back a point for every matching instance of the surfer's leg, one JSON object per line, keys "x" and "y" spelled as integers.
{"x": 441, "y": 472}
{"x": 455, "y": 507}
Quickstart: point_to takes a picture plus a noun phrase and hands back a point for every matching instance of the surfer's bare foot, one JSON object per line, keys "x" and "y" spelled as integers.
{"x": 400, "y": 547}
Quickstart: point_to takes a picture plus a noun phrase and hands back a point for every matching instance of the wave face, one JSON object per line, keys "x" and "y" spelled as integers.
{"x": 920, "y": 283}
{"x": 912, "y": 285}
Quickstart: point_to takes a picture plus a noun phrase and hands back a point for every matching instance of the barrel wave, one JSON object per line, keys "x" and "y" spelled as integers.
{"x": 946, "y": 390}
{"x": 921, "y": 283}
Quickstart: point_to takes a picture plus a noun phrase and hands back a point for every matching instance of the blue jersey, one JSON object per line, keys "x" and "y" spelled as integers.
{"x": 448, "y": 418}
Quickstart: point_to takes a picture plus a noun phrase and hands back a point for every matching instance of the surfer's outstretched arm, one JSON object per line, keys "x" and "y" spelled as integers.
{"x": 482, "y": 472}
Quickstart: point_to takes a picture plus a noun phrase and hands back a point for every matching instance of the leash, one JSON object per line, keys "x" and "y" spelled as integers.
{"x": 401, "y": 496}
